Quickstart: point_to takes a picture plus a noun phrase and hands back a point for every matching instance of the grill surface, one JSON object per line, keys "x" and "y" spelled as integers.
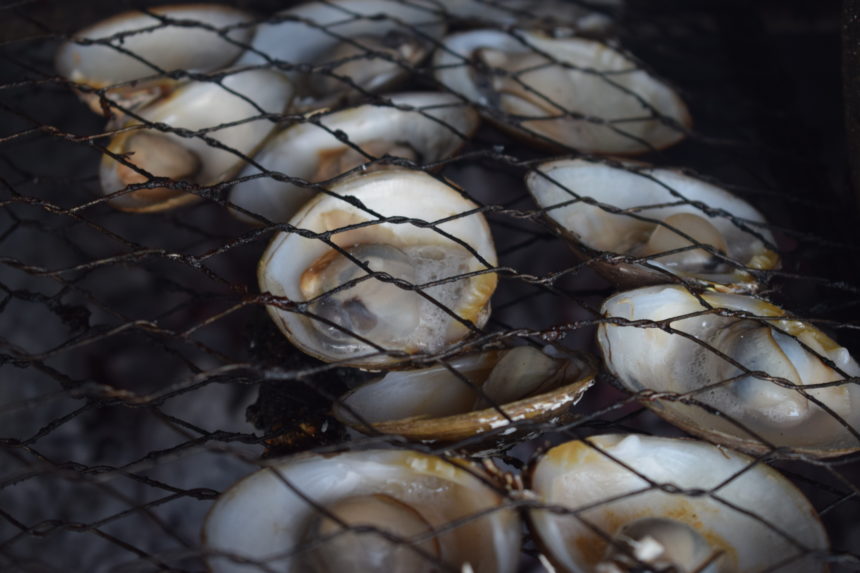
{"x": 140, "y": 375}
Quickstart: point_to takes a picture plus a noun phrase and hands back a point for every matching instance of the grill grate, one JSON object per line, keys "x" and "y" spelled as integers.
{"x": 140, "y": 375}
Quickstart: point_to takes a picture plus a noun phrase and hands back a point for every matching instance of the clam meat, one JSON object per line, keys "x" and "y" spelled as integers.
{"x": 737, "y": 370}
{"x": 473, "y": 394}
{"x": 202, "y": 133}
{"x": 133, "y": 56}
{"x": 372, "y": 280}
{"x": 562, "y": 92}
{"x": 680, "y": 226}
{"x": 378, "y": 510}
{"x": 645, "y": 503}
{"x": 422, "y": 127}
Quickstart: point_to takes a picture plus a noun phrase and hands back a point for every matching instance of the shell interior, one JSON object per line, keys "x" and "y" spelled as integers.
{"x": 659, "y": 214}
{"x": 430, "y": 127}
{"x": 228, "y": 118}
{"x": 569, "y": 92}
{"x": 440, "y": 507}
{"x": 354, "y": 45}
{"x": 135, "y": 46}
{"x": 759, "y": 374}
{"x": 697, "y": 501}
{"x": 356, "y": 315}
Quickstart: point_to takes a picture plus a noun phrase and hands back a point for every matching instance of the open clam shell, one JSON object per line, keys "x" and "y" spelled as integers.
{"x": 355, "y": 46}
{"x": 228, "y": 121}
{"x": 423, "y": 127}
{"x": 647, "y": 503}
{"x": 295, "y": 516}
{"x": 738, "y": 370}
{"x": 653, "y": 214}
{"x": 131, "y": 54}
{"x": 427, "y": 287}
{"x": 569, "y": 92}
{"x": 489, "y": 390}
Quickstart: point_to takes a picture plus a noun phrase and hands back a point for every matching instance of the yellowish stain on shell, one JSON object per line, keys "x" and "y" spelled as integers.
{"x": 593, "y": 545}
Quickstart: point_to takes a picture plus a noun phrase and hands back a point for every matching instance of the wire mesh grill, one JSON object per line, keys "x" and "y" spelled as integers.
{"x": 140, "y": 373}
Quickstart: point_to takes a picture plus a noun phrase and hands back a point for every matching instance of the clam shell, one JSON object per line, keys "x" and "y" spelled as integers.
{"x": 311, "y": 33}
{"x": 709, "y": 394}
{"x": 746, "y": 510}
{"x": 264, "y": 517}
{"x": 614, "y": 208}
{"x": 435, "y": 404}
{"x": 433, "y": 125}
{"x": 353, "y": 211}
{"x": 563, "y": 92}
{"x": 134, "y": 51}
{"x": 230, "y": 113}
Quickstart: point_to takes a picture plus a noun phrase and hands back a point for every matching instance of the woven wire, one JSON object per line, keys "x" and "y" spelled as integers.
{"x": 140, "y": 374}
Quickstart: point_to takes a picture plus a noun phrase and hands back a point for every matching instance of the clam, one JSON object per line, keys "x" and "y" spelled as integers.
{"x": 734, "y": 369}
{"x": 408, "y": 512}
{"x": 484, "y": 392}
{"x": 394, "y": 286}
{"x": 625, "y": 503}
{"x": 677, "y": 224}
{"x": 132, "y": 56}
{"x": 563, "y": 92}
{"x": 354, "y": 46}
{"x": 422, "y": 127}
{"x": 201, "y": 133}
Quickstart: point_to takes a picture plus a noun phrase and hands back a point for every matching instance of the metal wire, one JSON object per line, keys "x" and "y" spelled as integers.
{"x": 140, "y": 375}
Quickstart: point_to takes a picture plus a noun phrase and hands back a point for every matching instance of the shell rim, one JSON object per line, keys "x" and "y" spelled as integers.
{"x": 488, "y": 421}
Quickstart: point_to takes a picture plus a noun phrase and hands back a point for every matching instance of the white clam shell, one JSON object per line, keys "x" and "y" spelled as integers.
{"x": 436, "y": 404}
{"x": 745, "y": 509}
{"x": 262, "y": 518}
{"x": 434, "y": 125}
{"x": 310, "y": 33}
{"x": 138, "y": 46}
{"x": 562, "y": 78}
{"x": 230, "y": 113}
{"x": 646, "y": 358}
{"x": 389, "y": 193}
{"x": 615, "y": 208}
